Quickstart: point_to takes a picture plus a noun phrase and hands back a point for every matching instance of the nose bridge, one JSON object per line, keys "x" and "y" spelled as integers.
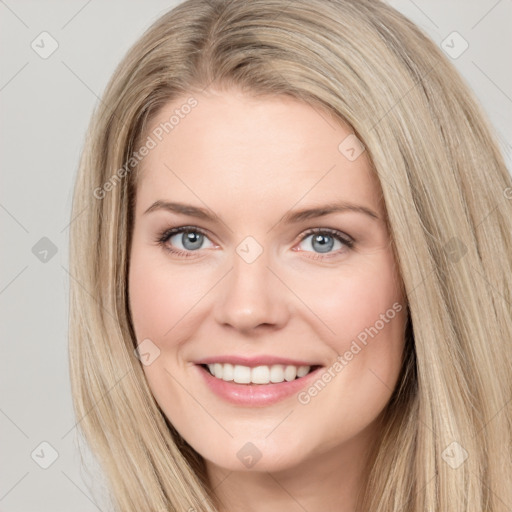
{"x": 252, "y": 295}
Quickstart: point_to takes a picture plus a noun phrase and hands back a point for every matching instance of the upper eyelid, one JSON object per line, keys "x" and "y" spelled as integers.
{"x": 344, "y": 237}
{"x": 180, "y": 229}
{"x": 331, "y": 231}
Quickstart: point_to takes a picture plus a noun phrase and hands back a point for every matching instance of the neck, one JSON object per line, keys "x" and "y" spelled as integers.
{"x": 330, "y": 479}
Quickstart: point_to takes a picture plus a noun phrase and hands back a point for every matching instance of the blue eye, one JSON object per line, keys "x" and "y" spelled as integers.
{"x": 323, "y": 240}
{"x": 190, "y": 240}
{"x": 189, "y": 237}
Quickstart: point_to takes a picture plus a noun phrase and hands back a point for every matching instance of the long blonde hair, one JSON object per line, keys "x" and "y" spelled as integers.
{"x": 446, "y": 433}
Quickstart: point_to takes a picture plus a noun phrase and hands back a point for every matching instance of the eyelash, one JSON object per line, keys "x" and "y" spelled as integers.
{"x": 164, "y": 236}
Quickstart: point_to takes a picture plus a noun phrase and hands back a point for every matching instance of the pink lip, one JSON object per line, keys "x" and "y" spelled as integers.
{"x": 262, "y": 360}
{"x": 255, "y": 395}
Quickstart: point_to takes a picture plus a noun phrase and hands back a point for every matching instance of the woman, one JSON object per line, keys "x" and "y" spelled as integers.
{"x": 292, "y": 272}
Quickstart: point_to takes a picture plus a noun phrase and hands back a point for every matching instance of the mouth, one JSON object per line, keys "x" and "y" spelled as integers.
{"x": 258, "y": 375}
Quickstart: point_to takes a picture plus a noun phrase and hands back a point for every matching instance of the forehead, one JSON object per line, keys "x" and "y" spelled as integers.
{"x": 248, "y": 151}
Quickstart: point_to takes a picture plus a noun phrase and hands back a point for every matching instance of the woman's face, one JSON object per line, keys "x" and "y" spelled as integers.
{"x": 251, "y": 285}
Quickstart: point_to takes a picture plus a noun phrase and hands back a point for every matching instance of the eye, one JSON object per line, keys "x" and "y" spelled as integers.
{"x": 324, "y": 240}
{"x": 183, "y": 240}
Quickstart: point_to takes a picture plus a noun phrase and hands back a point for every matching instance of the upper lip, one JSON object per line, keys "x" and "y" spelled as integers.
{"x": 263, "y": 360}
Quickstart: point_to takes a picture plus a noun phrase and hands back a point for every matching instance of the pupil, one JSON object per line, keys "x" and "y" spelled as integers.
{"x": 192, "y": 240}
{"x": 324, "y": 247}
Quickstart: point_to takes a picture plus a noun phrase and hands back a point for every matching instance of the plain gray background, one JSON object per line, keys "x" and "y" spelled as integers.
{"x": 46, "y": 104}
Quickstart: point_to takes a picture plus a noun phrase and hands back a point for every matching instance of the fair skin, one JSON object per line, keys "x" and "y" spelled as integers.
{"x": 251, "y": 161}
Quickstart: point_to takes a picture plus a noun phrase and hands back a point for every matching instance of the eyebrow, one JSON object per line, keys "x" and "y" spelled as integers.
{"x": 289, "y": 218}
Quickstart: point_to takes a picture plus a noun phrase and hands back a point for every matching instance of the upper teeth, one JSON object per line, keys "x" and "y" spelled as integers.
{"x": 259, "y": 374}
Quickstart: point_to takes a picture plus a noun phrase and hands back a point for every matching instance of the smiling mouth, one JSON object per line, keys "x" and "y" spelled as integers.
{"x": 275, "y": 374}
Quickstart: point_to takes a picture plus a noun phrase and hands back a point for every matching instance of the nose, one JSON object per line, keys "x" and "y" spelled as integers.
{"x": 252, "y": 297}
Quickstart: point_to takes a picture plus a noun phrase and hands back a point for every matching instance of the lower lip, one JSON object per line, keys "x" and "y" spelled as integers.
{"x": 255, "y": 395}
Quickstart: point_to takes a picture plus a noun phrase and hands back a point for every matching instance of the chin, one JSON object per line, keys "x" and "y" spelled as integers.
{"x": 266, "y": 463}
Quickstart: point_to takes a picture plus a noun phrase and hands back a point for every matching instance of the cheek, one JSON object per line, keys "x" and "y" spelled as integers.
{"x": 362, "y": 318}
{"x": 355, "y": 298}
{"x": 162, "y": 299}
{"x": 160, "y": 295}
